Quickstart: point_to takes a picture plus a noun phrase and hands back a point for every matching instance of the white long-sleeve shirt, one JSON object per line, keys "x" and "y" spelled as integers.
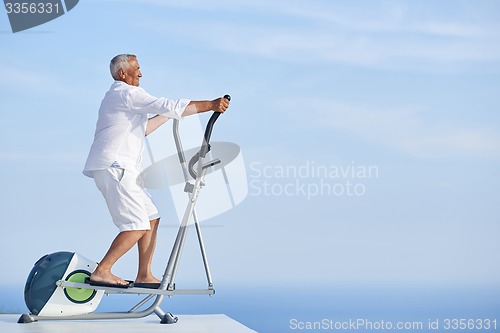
{"x": 121, "y": 126}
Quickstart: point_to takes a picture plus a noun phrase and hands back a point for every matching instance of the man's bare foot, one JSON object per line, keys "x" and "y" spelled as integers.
{"x": 147, "y": 279}
{"x": 103, "y": 276}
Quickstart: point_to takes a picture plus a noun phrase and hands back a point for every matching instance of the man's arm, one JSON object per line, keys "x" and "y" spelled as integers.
{"x": 217, "y": 105}
{"x": 155, "y": 122}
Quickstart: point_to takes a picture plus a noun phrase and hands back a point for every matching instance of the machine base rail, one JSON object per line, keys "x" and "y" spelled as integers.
{"x": 165, "y": 318}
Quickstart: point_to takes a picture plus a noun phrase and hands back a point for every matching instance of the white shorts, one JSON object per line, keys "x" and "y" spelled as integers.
{"x": 130, "y": 205}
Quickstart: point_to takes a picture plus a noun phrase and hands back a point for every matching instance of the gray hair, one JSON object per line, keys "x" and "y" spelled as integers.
{"x": 119, "y": 62}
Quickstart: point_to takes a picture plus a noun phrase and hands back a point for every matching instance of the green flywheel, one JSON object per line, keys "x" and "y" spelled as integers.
{"x": 79, "y": 295}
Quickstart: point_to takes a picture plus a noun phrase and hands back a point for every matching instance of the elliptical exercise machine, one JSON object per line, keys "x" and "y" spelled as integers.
{"x": 56, "y": 288}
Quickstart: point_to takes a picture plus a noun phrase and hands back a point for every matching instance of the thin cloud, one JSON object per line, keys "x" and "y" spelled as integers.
{"x": 13, "y": 78}
{"x": 394, "y": 38}
{"x": 41, "y": 156}
{"x": 406, "y": 130}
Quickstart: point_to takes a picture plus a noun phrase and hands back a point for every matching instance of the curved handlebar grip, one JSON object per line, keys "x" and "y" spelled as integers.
{"x": 205, "y": 147}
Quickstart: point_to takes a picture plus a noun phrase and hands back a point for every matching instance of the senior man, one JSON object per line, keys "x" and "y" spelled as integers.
{"x": 114, "y": 160}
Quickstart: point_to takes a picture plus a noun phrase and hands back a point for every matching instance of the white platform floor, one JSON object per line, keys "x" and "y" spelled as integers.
{"x": 219, "y": 323}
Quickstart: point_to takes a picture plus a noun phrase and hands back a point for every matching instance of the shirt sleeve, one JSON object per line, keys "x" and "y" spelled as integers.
{"x": 141, "y": 102}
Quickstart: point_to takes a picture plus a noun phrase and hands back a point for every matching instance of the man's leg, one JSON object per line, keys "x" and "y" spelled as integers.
{"x": 146, "y": 246}
{"x": 121, "y": 244}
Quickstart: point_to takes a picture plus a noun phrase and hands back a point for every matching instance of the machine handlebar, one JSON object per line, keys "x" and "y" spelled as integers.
{"x": 205, "y": 146}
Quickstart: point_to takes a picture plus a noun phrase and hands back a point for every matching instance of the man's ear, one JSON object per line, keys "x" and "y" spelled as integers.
{"x": 121, "y": 73}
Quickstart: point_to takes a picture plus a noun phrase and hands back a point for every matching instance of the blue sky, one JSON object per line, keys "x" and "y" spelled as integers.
{"x": 408, "y": 87}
